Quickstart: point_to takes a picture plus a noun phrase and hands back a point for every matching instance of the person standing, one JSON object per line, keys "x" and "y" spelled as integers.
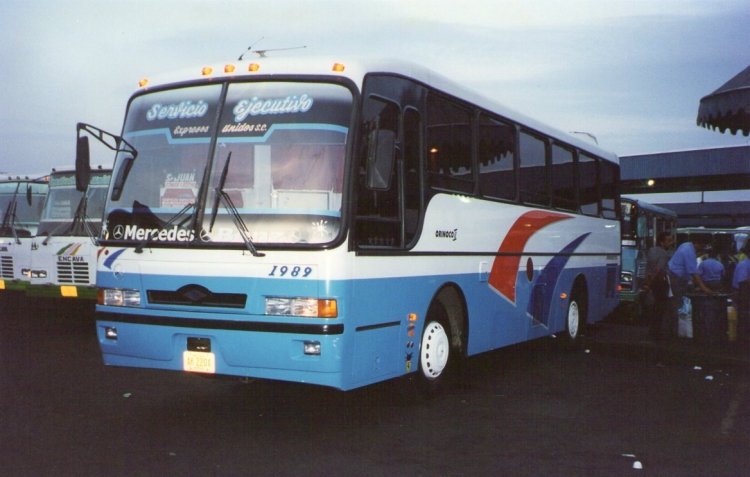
{"x": 683, "y": 268}
{"x": 741, "y": 299}
{"x": 657, "y": 284}
{"x": 711, "y": 270}
{"x": 709, "y": 313}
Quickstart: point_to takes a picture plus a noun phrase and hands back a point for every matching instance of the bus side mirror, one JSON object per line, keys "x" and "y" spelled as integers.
{"x": 83, "y": 163}
{"x": 381, "y": 153}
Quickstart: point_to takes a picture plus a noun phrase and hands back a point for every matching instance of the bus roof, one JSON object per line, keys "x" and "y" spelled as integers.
{"x": 651, "y": 207}
{"x": 356, "y": 69}
{"x": 24, "y": 178}
{"x": 68, "y": 169}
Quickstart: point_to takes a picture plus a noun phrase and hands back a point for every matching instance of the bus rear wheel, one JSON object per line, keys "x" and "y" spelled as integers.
{"x": 575, "y": 319}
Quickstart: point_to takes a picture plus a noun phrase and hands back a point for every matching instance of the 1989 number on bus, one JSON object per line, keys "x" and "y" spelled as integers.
{"x": 295, "y": 271}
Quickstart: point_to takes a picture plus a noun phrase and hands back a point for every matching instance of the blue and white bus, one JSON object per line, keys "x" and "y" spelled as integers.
{"x": 344, "y": 223}
{"x": 21, "y": 202}
{"x": 63, "y": 254}
{"x": 642, "y": 223}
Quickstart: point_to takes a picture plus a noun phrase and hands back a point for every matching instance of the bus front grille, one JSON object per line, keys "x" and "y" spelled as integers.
{"x": 73, "y": 272}
{"x": 6, "y": 267}
{"x": 197, "y": 297}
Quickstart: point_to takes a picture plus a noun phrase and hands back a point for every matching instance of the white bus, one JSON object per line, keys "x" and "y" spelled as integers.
{"x": 21, "y": 202}
{"x": 63, "y": 254}
{"x": 344, "y": 223}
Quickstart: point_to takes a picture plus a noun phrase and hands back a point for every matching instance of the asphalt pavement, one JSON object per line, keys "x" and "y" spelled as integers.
{"x": 634, "y": 340}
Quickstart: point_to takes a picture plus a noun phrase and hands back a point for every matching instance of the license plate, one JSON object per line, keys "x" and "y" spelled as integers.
{"x": 198, "y": 362}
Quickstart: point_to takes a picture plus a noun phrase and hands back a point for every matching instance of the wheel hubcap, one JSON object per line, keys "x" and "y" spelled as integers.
{"x": 435, "y": 350}
{"x": 573, "y": 317}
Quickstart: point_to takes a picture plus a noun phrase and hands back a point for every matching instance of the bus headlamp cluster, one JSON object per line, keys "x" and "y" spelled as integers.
{"x": 307, "y": 307}
{"x": 626, "y": 280}
{"x": 118, "y": 297}
{"x": 29, "y": 273}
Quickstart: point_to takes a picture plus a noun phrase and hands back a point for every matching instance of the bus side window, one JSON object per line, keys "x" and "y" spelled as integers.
{"x": 412, "y": 145}
{"x": 496, "y": 150}
{"x": 533, "y": 172}
{"x": 378, "y": 216}
{"x": 609, "y": 174}
{"x": 564, "y": 192}
{"x": 448, "y": 143}
{"x": 588, "y": 184}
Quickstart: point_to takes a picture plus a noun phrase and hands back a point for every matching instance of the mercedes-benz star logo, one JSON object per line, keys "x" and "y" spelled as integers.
{"x": 118, "y": 232}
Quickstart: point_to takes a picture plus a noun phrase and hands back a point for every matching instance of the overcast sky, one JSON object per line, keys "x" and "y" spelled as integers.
{"x": 630, "y": 72}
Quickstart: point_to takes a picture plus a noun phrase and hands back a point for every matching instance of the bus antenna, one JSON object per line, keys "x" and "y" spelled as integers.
{"x": 262, "y": 53}
{"x": 588, "y": 134}
{"x": 249, "y": 48}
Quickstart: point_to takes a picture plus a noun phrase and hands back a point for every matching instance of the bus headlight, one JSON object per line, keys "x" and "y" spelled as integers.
{"x": 626, "y": 281}
{"x": 308, "y": 307}
{"x": 118, "y": 297}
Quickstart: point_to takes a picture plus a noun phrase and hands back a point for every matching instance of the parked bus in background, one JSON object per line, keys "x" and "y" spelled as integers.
{"x": 344, "y": 223}
{"x": 63, "y": 254}
{"x": 641, "y": 224}
{"x": 21, "y": 202}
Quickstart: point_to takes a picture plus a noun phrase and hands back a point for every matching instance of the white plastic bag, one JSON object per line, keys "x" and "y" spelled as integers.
{"x": 685, "y": 319}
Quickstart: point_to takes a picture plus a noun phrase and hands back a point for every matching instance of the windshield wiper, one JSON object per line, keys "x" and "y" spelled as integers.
{"x": 239, "y": 224}
{"x": 9, "y": 220}
{"x": 80, "y": 220}
{"x": 170, "y": 222}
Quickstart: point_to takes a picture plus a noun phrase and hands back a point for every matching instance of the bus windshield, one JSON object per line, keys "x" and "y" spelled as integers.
{"x": 17, "y": 213}
{"x": 273, "y": 152}
{"x": 64, "y": 200}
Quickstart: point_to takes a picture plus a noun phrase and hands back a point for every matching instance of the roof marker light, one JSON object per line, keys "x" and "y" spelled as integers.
{"x": 229, "y": 68}
{"x": 338, "y": 67}
{"x": 207, "y": 70}
{"x": 143, "y": 83}
{"x": 253, "y": 67}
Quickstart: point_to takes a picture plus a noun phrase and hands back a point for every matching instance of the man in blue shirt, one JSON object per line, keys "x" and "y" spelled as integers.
{"x": 683, "y": 267}
{"x": 709, "y": 313}
{"x": 711, "y": 270}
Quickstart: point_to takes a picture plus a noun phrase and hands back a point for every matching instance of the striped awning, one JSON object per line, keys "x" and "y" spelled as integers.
{"x": 728, "y": 108}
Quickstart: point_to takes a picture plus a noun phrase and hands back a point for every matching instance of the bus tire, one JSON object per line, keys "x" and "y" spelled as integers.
{"x": 575, "y": 318}
{"x": 439, "y": 356}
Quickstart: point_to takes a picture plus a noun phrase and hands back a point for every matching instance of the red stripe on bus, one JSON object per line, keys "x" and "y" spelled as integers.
{"x": 505, "y": 267}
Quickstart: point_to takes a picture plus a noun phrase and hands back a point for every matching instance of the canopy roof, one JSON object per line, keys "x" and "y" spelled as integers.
{"x": 729, "y": 106}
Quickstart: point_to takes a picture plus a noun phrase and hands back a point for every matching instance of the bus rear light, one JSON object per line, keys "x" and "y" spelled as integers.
{"x": 253, "y": 67}
{"x": 118, "y": 297}
{"x": 338, "y": 67}
{"x": 307, "y": 307}
{"x": 207, "y": 71}
{"x": 229, "y": 68}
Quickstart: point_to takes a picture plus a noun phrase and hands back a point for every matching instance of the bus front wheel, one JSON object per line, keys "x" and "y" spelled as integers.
{"x": 435, "y": 351}
{"x": 439, "y": 354}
